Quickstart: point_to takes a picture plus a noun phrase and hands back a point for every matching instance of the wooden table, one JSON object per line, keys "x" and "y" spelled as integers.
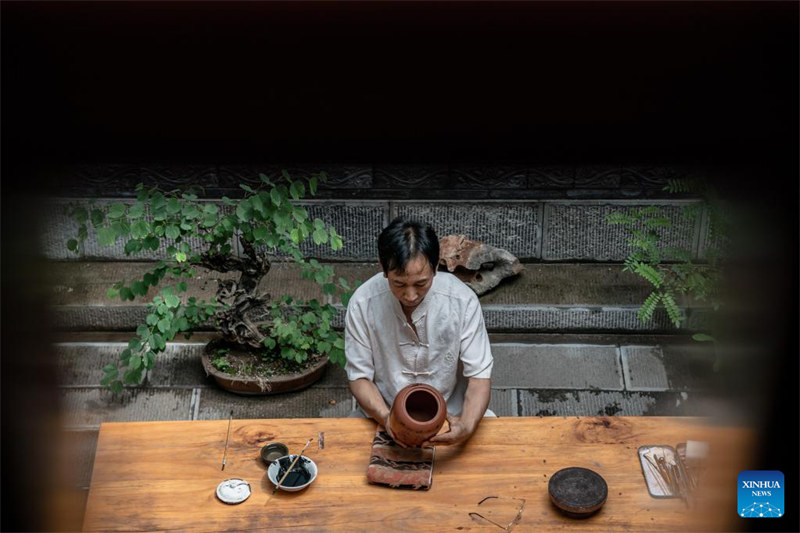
{"x": 162, "y": 476}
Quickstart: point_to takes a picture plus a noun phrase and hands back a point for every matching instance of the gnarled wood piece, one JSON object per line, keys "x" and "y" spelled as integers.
{"x": 481, "y": 266}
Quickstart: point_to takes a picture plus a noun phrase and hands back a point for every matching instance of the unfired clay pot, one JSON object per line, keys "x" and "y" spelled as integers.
{"x": 417, "y": 414}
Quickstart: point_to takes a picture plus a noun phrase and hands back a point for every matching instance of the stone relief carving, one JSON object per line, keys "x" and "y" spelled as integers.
{"x": 481, "y": 266}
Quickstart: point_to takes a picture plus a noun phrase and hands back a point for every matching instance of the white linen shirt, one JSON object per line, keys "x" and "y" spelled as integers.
{"x": 450, "y": 345}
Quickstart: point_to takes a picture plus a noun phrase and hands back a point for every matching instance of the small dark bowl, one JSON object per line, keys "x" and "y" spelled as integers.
{"x": 272, "y": 451}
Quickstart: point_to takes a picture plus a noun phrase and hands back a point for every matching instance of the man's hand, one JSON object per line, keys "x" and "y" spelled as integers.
{"x": 458, "y": 432}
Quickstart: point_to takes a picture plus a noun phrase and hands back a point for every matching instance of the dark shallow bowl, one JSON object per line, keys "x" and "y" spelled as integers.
{"x": 577, "y": 492}
{"x": 272, "y": 451}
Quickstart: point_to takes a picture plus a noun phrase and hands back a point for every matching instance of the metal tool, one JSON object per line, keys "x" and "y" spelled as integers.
{"x": 228, "y": 438}
{"x": 283, "y": 478}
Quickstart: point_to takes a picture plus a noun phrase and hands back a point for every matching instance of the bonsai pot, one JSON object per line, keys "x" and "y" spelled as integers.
{"x": 418, "y": 413}
{"x": 252, "y": 385}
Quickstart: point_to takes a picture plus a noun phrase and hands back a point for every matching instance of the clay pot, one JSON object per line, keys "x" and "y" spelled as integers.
{"x": 417, "y": 414}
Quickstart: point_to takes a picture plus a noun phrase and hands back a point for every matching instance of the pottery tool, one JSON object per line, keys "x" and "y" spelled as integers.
{"x": 283, "y": 478}
{"x": 228, "y": 438}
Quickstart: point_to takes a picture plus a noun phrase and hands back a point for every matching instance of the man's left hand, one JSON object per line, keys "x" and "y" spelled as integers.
{"x": 457, "y": 433}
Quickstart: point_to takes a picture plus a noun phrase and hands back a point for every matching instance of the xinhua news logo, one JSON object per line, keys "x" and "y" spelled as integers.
{"x": 760, "y": 494}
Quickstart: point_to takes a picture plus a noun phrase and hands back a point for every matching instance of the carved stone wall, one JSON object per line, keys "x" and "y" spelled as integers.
{"x": 365, "y": 181}
{"x": 538, "y": 213}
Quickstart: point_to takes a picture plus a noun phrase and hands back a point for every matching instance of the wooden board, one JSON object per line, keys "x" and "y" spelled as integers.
{"x": 162, "y": 476}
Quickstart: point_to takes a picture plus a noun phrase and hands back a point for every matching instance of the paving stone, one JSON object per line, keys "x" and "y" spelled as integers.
{"x": 81, "y": 364}
{"x": 88, "y": 407}
{"x": 579, "y": 231}
{"x": 594, "y": 403}
{"x": 503, "y": 402}
{"x": 309, "y": 403}
{"x": 515, "y": 226}
{"x": 691, "y": 367}
{"x": 543, "y": 318}
{"x": 643, "y": 368}
{"x": 556, "y": 366}
{"x": 334, "y": 377}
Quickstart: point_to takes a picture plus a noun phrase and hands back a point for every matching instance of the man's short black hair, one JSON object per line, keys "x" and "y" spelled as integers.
{"x": 402, "y": 240}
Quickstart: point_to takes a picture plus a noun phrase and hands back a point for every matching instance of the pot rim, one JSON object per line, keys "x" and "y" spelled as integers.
{"x": 414, "y": 424}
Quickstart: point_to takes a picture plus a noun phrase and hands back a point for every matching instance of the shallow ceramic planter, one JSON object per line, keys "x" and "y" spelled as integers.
{"x": 252, "y": 386}
{"x": 418, "y": 413}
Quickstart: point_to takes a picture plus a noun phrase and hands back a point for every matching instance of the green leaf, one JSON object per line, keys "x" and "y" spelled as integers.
{"x": 136, "y": 210}
{"x": 164, "y": 324}
{"x": 182, "y": 286}
{"x": 143, "y": 331}
{"x": 137, "y": 287}
{"x": 112, "y": 293}
{"x": 180, "y": 257}
{"x": 133, "y": 377}
{"x": 703, "y": 337}
{"x": 158, "y": 342}
{"x": 265, "y": 179}
{"x": 133, "y": 246}
{"x": 116, "y": 211}
{"x": 276, "y": 197}
{"x": 244, "y": 211}
{"x": 125, "y": 293}
{"x": 125, "y": 355}
{"x": 72, "y": 245}
{"x": 152, "y": 319}
{"x": 320, "y": 236}
{"x": 171, "y": 300}
{"x": 269, "y": 342}
{"x": 97, "y": 217}
{"x": 649, "y": 306}
{"x": 116, "y": 386}
{"x": 246, "y": 187}
{"x": 173, "y": 231}
{"x": 672, "y": 309}
{"x": 106, "y": 236}
{"x": 312, "y": 185}
{"x": 135, "y": 362}
{"x": 260, "y": 233}
{"x": 135, "y": 344}
{"x": 149, "y": 359}
{"x": 80, "y": 214}
{"x": 173, "y": 206}
{"x": 140, "y": 229}
{"x": 649, "y": 273}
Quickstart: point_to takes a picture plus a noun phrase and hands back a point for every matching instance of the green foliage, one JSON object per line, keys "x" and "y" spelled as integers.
{"x": 681, "y": 275}
{"x": 266, "y": 218}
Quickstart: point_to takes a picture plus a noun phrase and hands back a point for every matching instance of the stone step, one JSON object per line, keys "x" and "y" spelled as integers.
{"x": 545, "y": 297}
{"x": 178, "y": 389}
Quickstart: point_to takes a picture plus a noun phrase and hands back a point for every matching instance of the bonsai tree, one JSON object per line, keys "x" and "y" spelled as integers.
{"x": 267, "y": 224}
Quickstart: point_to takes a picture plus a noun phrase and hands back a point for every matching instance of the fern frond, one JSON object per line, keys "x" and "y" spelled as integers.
{"x": 649, "y": 306}
{"x": 649, "y": 273}
{"x": 672, "y": 309}
{"x": 619, "y": 218}
{"x": 679, "y": 185}
{"x": 658, "y": 222}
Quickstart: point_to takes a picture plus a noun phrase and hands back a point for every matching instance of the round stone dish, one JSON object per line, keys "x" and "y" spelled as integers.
{"x": 302, "y": 475}
{"x": 272, "y": 451}
{"x": 577, "y": 492}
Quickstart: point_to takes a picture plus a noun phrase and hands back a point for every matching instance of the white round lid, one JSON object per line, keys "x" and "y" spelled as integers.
{"x": 233, "y": 490}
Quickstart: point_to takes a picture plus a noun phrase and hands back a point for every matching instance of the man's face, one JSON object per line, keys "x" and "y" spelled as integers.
{"x": 411, "y": 286}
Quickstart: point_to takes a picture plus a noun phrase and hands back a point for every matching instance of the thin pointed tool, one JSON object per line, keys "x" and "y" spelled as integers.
{"x": 291, "y": 466}
{"x": 225, "y": 454}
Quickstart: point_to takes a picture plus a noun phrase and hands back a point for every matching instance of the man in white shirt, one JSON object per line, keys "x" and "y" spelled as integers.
{"x": 412, "y": 324}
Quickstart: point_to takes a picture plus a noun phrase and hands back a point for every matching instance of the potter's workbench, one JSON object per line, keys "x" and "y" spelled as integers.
{"x": 162, "y": 476}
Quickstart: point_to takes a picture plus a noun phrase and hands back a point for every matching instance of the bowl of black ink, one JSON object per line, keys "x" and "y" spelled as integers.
{"x": 301, "y": 475}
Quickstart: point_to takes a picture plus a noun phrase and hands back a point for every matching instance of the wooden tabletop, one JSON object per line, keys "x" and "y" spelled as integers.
{"x": 163, "y": 475}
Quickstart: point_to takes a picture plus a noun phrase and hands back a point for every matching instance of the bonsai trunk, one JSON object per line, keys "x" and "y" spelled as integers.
{"x": 238, "y": 324}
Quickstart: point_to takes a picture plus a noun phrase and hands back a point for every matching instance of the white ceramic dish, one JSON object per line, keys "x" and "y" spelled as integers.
{"x": 275, "y": 467}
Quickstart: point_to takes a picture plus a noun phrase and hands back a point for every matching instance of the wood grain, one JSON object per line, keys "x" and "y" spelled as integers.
{"x": 162, "y": 476}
